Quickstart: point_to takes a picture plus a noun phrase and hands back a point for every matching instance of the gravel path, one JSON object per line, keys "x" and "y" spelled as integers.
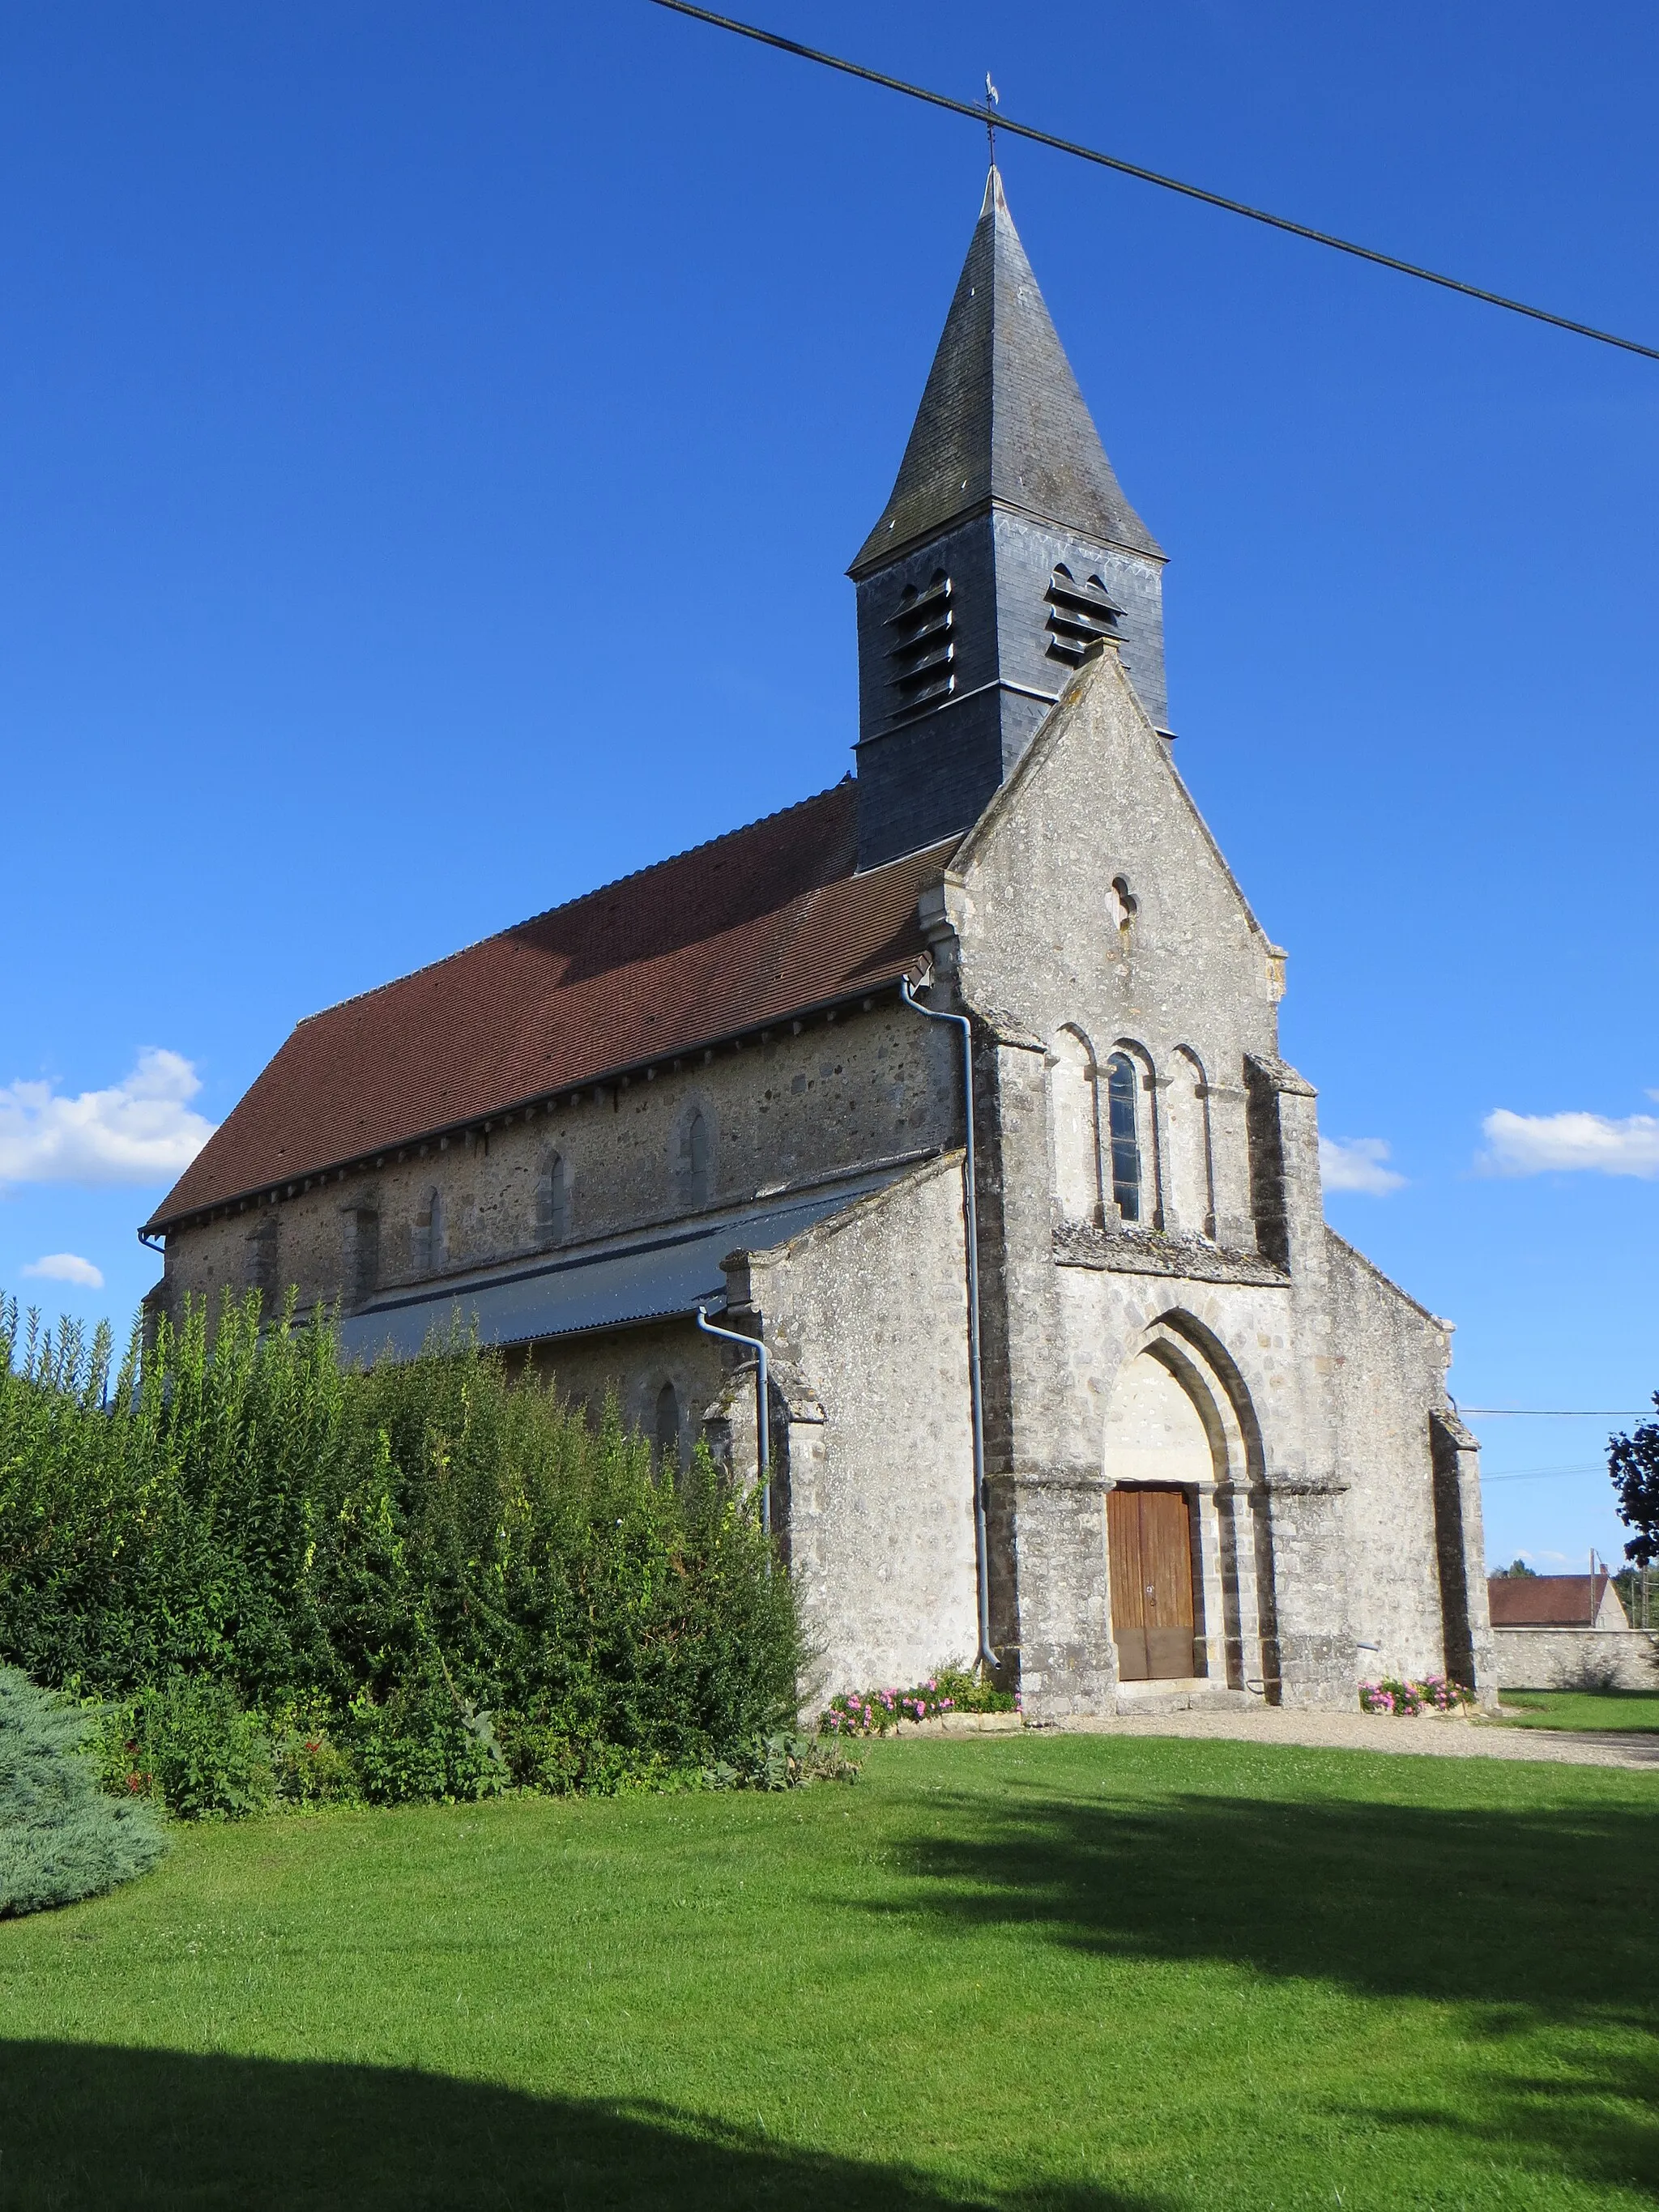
{"x": 1431, "y": 1737}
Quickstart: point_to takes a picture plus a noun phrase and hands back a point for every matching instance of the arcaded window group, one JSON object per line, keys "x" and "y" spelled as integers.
{"x": 1131, "y": 1142}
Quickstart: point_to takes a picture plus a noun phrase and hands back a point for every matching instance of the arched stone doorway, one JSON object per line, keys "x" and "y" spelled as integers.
{"x": 1182, "y": 1482}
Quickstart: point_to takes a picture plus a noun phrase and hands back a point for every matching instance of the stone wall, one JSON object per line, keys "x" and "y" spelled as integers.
{"x": 1092, "y": 896}
{"x": 1576, "y": 1659}
{"x": 634, "y": 1364}
{"x": 865, "y": 1316}
{"x": 811, "y": 1099}
{"x": 1387, "y": 1367}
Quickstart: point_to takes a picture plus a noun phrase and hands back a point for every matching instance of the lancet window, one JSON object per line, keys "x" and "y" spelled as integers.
{"x": 431, "y": 1240}
{"x": 553, "y": 1199}
{"x": 361, "y": 1227}
{"x": 1122, "y": 1083}
{"x": 697, "y": 1160}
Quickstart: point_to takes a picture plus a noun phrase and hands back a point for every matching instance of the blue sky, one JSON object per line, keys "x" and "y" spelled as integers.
{"x": 432, "y": 439}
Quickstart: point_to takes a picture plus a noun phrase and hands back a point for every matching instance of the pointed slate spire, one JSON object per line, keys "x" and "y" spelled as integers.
{"x": 1001, "y": 417}
{"x": 1006, "y": 555}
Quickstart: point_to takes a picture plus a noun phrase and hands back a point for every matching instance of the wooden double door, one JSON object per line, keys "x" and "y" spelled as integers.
{"x": 1151, "y": 1549}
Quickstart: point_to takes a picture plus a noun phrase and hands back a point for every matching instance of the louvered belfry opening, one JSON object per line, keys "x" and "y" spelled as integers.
{"x": 923, "y": 651}
{"x": 1082, "y": 617}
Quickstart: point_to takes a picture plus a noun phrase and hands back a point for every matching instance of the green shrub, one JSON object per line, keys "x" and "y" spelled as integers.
{"x": 439, "y": 1572}
{"x": 188, "y": 1744}
{"x": 781, "y": 1762}
{"x": 426, "y": 1741}
{"x": 61, "y": 1838}
{"x": 311, "y": 1768}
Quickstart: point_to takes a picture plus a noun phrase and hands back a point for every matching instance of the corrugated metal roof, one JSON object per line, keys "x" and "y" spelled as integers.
{"x": 656, "y": 1276}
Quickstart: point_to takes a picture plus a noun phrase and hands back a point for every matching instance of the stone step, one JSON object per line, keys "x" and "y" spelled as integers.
{"x": 1196, "y": 1696}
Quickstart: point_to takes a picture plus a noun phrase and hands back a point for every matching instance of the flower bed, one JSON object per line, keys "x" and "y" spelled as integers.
{"x": 1433, "y": 1694}
{"x": 876, "y": 1712}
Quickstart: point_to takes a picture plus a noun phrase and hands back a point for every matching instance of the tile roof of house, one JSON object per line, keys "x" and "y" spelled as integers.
{"x": 1544, "y": 1601}
{"x": 751, "y": 928}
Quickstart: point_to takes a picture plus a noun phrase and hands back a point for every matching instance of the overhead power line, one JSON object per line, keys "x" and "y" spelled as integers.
{"x": 1562, "y": 1412}
{"x": 977, "y": 115}
{"x": 1573, "y": 1474}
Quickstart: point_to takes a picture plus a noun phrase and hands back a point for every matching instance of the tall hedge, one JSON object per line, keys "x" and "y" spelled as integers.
{"x": 443, "y": 1569}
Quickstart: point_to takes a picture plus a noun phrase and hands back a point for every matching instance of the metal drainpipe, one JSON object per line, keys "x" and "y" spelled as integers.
{"x": 763, "y": 1410}
{"x": 976, "y": 1387}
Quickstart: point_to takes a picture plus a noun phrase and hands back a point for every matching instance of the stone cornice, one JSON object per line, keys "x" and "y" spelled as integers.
{"x": 1191, "y": 1259}
{"x": 1026, "y": 1474}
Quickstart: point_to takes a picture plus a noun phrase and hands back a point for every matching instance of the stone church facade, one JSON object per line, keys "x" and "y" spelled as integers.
{"x": 1152, "y": 1429}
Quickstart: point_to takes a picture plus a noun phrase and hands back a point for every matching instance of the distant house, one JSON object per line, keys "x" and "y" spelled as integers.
{"x": 1567, "y": 1633}
{"x": 1555, "y": 1601}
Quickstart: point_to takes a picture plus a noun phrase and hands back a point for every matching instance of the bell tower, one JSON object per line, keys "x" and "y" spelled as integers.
{"x": 1006, "y": 553}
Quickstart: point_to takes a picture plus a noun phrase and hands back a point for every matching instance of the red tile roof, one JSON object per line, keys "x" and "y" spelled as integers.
{"x": 1544, "y": 1601}
{"x": 749, "y": 929}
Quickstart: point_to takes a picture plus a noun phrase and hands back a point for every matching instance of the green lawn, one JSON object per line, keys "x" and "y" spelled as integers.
{"x": 1093, "y": 1974}
{"x": 1633, "y": 1711}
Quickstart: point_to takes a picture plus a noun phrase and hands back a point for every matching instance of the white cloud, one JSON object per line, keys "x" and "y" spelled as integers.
{"x": 1535, "y": 1143}
{"x": 142, "y": 1131}
{"x": 66, "y": 1267}
{"x": 1357, "y": 1164}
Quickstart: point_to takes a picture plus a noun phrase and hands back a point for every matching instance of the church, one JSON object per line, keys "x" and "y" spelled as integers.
{"x": 924, "y": 1148}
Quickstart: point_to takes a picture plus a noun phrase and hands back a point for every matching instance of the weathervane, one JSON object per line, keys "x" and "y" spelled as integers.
{"x": 993, "y": 101}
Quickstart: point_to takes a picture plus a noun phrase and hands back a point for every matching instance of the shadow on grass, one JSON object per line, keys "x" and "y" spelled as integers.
{"x": 1523, "y": 1918}
{"x": 1617, "y": 1712}
{"x": 1589, "y": 2119}
{"x": 86, "y": 2124}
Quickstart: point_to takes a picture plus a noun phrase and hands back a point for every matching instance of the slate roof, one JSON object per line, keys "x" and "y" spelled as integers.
{"x": 1544, "y": 1601}
{"x": 755, "y": 926}
{"x": 1001, "y": 417}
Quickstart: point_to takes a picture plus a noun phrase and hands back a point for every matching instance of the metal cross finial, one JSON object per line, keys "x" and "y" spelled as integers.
{"x": 993, "y": 101}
